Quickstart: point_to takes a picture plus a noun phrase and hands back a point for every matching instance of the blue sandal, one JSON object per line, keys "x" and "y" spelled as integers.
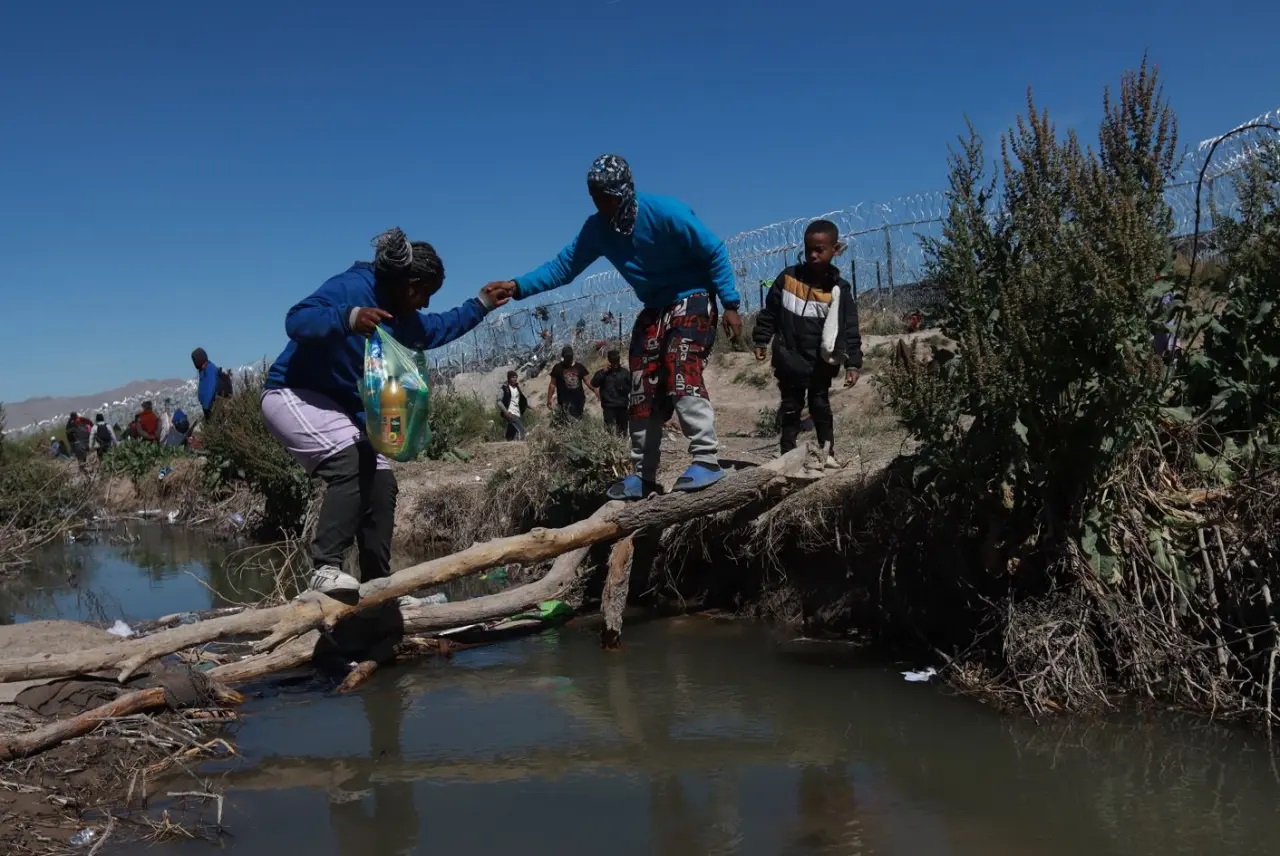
{"x": 699, "y": 476}
{"x": 632, "y": 488}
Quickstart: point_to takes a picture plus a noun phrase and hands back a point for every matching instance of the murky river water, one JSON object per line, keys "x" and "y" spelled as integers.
{"x": 699, "y": 737}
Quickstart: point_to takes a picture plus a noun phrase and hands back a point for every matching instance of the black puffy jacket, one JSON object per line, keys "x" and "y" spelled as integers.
{"x": 794, "y": 313}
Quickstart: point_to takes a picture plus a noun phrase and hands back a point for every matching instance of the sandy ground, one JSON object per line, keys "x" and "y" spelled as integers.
{"x": 867, "y": 435}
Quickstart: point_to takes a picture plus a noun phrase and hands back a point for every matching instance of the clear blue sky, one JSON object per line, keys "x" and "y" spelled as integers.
{"x": 177, "y": 174}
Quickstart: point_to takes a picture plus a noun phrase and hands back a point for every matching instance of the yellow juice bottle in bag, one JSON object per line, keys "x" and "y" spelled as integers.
{"x": 393, "y": 416}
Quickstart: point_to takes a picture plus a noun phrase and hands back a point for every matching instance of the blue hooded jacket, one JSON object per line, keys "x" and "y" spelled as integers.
{"x": 325, "y": 355}
{"x": 670, "y": 255}
{"x": 207, "y": 389}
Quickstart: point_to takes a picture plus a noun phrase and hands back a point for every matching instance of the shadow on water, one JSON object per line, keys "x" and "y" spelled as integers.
{"x": 699, "y": 737}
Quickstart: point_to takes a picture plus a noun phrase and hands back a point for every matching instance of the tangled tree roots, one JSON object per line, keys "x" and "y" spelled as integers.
{"x": 1052, "y": 654}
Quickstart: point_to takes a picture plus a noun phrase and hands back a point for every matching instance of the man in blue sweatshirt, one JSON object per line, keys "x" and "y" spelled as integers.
{"x": 311, "y": 400}
{"x": 207, "y": 385}
{"x": 678, "y": 269}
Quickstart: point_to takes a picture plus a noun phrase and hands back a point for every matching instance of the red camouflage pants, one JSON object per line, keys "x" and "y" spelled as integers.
{"x": 669, "y": 348}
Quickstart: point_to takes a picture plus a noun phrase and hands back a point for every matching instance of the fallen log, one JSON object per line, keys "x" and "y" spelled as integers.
{"x": 313, "y": 612}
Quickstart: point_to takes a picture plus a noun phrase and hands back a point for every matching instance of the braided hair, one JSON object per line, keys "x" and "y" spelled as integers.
{"x": 399, "y": 262}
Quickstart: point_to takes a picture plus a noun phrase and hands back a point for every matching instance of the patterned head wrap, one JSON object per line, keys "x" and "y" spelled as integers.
{"x": 611, "y": 175}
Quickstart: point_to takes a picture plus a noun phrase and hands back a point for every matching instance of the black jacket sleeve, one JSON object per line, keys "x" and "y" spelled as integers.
{"x": 853, "y": 336}
{"x": 767, "y": 318}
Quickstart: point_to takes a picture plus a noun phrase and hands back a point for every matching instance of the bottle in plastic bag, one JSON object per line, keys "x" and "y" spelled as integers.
{"x": 396, "y": 397}
{"x": 393, "y": 420}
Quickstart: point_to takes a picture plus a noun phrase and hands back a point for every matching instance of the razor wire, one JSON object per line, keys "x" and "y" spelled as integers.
{"x": 885, "y": 258}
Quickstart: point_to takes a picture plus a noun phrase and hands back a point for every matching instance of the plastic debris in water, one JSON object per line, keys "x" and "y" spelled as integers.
{"x": 436, "y": 599}
{"x": 83, "y": 838}
{"x": 497, "y": 575}
{"x": 172, "y": 516}
{"x": 920, "y": 677}
{"x": 120, "y": 629}
{"x": 237, "y": 519}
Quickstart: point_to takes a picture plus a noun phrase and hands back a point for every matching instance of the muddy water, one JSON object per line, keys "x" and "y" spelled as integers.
{"x": 700, "y": 737}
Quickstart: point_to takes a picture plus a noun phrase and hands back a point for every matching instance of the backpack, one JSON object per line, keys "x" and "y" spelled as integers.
{"x": 224, "y": 384}
{"x": 103, "y": 435}
{"x": 181, "y": 422}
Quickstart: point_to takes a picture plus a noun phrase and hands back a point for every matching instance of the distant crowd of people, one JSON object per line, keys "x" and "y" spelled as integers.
{"x": 168, "y": 426}
{"x": 567, "y": 394}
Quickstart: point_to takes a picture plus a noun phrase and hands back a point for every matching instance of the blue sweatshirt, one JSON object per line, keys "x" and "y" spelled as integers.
{"x": 669, "y": 256}
{"x": 325, "y": 355}
{"x": 208, "y": 388}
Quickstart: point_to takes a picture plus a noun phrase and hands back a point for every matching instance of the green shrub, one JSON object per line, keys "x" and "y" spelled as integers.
{"x": 1231, "y": 383}
{"x": 1046, "y": 272}
{"x": 767, "y": 422}
{"x": 137, "y": 460}
{"x": 563, "y": 477}
{"x": 461, "y": 419}
{"x": 242, "y": 450}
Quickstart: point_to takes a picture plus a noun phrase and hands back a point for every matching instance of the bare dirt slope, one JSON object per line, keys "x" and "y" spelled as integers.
{"x": 867, "y": 436}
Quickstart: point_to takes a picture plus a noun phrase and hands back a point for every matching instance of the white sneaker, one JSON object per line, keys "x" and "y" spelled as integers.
{"x": 331, "y": 580}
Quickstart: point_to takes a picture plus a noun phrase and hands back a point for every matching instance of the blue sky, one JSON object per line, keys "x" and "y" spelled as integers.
{"x": 175, "y": 174}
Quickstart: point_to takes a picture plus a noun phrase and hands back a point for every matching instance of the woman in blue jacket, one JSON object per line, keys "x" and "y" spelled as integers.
{"x": 311, "y": 399}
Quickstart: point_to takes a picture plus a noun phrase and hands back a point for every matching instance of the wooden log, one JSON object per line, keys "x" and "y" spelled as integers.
{"x": 362, "y": 672}
{"x": 21, "y": 745}
{"x": 614, "y": 597}
{"x": 313, "y": 611}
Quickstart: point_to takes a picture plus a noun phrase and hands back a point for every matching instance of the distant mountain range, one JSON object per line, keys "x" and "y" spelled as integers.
{"x": 49, "y": 413}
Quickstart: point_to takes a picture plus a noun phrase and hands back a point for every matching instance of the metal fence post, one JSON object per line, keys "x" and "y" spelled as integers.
{"x": 888, "y": 255}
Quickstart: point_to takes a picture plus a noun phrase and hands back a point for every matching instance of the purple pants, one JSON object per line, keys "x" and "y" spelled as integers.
{"x": 311, "y": 426}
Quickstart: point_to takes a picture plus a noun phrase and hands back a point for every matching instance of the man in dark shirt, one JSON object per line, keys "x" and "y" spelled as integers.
{"x": 613, "y": 385}
{"x": 568, "y": 386}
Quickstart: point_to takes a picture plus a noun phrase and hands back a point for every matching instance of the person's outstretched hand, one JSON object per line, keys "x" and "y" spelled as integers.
{"x": 761, "y": 354}
{"x": 369, "y": 317}
{"x": 733, "y": 324}
{"x": 498, "y": 293}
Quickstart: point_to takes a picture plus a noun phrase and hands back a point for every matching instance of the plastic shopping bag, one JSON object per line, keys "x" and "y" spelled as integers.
{"x": 396, "y": 397}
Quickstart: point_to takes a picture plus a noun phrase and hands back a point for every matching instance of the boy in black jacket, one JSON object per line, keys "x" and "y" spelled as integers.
{"x": 811, "y": 317}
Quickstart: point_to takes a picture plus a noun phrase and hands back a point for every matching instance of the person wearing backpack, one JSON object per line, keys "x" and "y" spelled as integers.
{"x": 78, "y": 436}
{"x": 179, "y": 429}
{"x": 210, "y": 381}
{"x": 104, "y": 439}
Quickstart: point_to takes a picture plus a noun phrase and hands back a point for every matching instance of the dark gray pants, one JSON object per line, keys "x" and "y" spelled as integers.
{"x": 360, "y": 505}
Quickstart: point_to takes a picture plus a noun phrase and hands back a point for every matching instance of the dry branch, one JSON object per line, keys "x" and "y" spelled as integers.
{"x": 21, "y": 745}
{"x": 299, "y": 619}
{"x": 614, "y": 598}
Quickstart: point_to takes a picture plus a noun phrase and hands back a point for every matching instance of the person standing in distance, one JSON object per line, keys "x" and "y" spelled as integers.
{"x": 679, "y": 269}
{"x": 613, "y": 385}
{"x": 566, "y": 389}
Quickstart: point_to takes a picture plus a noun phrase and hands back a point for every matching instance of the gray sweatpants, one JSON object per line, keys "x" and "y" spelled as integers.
{"x": 697, "y": 420}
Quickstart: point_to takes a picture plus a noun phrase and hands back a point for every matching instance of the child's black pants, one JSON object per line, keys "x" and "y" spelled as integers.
{"x": 817, "y": 389}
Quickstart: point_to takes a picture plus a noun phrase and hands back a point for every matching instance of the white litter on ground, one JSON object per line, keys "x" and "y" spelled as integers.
{"x": 920, "y": 677}
{"x": 120, "y": 629}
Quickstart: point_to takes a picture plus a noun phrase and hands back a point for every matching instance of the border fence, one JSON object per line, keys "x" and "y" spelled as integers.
{"x": 885, "y": 258}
